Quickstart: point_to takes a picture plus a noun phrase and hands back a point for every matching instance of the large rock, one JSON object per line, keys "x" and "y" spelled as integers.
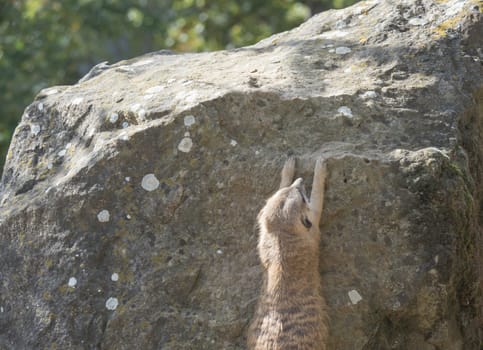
{"x": 129, "y": 199}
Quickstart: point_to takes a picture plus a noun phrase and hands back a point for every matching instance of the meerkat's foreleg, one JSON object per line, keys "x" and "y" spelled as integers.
{"x": 288, "y": 172}
{"x": 318, "y": 188}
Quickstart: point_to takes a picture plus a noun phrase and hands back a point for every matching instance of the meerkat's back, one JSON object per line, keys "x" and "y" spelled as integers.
{"x": 291, "y": 312}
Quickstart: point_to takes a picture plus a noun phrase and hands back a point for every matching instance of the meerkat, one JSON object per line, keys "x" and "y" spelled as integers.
{"x": 291, "y": 312}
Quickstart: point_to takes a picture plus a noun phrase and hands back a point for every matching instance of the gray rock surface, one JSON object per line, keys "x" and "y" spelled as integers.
{"x": 128, "y": 200}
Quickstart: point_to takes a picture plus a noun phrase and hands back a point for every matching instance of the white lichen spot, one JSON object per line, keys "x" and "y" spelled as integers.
{"x": 72, "y": 282}
{"x": 185, "y": 145}
{"x": 35, "y": 129}
{"x": 114, "y": 117}
{"x": 112, "y": 303}
{"x": 127, "y": 178}
{"x": 40, "y": 106}
{"x": 233, "y": 143}
{"x": 150, "y": 182}
{"x": 155, "y": 89}
{"x": 219, "y": 252}
{"x": 62, "y": 153}
{"x": 103, "y": 216}
{"x": 128, "y": 216}
{"x": 114, "y": 277}
{"x": 354, "y": 296}
{"x": 368, "y": 95}
{"x": 125, "y": 125}
{"x": 345, "y": 111}
{"x": 189, "y": 120}
{"x": 77, "y": 100}
{"x": 342, "y": 50}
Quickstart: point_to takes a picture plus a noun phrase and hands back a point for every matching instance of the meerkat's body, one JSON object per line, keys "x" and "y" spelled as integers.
{"x": 291, "y": 312}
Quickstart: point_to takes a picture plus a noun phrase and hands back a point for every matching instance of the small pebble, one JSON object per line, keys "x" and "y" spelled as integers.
{"x": 114, "y": 277}
{"x": 354, "y": 296}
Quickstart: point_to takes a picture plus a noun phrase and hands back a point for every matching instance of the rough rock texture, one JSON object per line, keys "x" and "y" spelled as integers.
{"x": 128, "y": 201}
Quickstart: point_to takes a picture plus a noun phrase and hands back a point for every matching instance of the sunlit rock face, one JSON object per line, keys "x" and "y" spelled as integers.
{"x": 129, "y": 200}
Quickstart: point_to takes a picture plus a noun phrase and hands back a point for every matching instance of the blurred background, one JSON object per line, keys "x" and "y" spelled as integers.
{"x": 55, "y": 42}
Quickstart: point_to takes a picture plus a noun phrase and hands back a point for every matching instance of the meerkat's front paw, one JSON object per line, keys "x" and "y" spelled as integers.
{"x": 288, "y": 172}
{"x": 321, "y": 168}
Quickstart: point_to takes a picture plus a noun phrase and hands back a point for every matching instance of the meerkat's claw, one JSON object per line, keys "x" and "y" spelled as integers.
{"x": 318, "y": 189}
{"x": 321, "y": 167}
{"x": 288, "y": 172}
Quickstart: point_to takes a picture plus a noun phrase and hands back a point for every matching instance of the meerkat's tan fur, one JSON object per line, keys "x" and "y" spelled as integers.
{"x": 291, "y": 312}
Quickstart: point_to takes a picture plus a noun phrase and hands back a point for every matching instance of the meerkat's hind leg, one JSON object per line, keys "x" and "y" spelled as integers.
{"x": 318, "y": 189}
{"x": 288, "y": 172}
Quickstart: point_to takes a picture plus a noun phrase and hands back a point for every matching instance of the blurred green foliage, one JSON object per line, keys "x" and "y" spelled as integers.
{"x": 52, "y": 42}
